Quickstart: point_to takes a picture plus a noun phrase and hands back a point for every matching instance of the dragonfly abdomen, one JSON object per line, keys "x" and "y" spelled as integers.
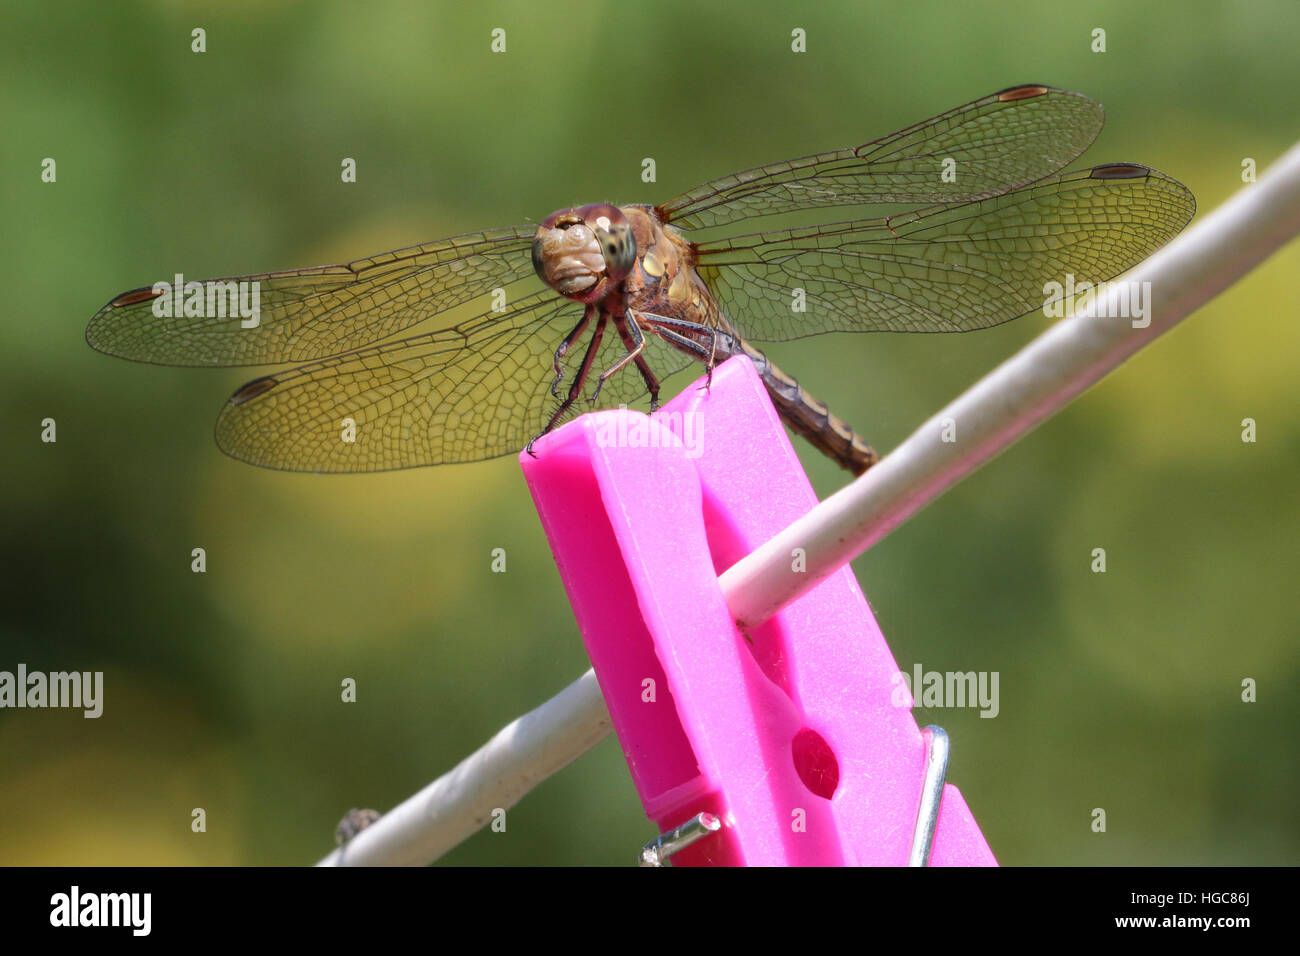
{"x": 807, "y": 416}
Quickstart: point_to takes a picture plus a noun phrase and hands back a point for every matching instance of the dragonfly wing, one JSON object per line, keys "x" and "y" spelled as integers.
{"x": 476, "y": 391}
{"x": 946, "y": 268}
{"x": 307, "y": 314}
{"x": 987, "y": 146}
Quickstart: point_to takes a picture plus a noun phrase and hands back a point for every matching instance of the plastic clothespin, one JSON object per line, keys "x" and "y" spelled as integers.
{"x": 797, "y": 737}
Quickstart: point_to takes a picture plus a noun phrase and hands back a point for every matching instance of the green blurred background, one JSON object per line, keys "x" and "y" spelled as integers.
{"x": 1118, "y": 691}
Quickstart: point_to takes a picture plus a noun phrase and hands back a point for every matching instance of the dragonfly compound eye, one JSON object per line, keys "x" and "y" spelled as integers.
{"x": 619, "y": 248}
{"x": 539, "y": 262}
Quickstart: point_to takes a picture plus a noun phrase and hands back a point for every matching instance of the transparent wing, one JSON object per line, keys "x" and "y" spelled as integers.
{"x": 995, "y": 143}
{"x": 306, "y": 314}
{"x": 476, "y": 391}
{"x": 948, "y": 268}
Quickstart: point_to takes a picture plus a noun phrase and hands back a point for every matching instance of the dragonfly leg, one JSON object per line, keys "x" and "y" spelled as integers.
{"x": 691, "y": 337}
{"x": 686, "y": 335}
{"x": 687, "y": 345}
{"x": 713, "y": 358}
{"x": 576, "y": 388}
{"x": 630, "y": 332}
{"x": 565, "y": 346}
{"x": 683, "y": 343}
{"x": 651, "y": 380}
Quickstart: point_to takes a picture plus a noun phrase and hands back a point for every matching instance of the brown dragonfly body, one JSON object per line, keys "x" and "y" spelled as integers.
{"x": 662, "y": 294}
{"x": 990, "y": 224}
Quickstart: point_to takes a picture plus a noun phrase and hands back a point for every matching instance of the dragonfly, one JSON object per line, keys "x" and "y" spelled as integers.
{"x": 635, "y": 293}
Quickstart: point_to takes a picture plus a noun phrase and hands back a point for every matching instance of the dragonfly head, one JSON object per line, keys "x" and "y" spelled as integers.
{"x": 584, "y": 253}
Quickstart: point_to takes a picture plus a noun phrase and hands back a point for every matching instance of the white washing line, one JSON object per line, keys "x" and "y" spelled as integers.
{"x": 996, "y": 411}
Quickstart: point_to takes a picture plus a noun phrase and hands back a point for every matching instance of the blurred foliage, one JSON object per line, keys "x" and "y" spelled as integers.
{"x": 1118, "y": 691}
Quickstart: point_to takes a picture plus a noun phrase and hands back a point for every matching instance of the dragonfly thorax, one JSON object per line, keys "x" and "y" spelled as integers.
{"x": 584, "y": 253}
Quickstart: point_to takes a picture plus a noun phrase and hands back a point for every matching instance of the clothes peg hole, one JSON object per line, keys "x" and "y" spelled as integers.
{"x": 815, "y": 763}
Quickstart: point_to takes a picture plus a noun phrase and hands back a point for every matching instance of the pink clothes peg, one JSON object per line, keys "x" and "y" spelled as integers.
{"x": 798, "y": 737}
